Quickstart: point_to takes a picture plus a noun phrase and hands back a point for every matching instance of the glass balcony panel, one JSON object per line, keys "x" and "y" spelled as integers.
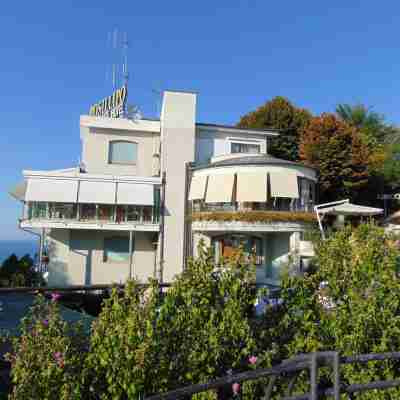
{"x": 134, "y": 214}
{"x": 88, "y": 212}
{"x": 62, "y": 211}
{"x": 105, "y": 213}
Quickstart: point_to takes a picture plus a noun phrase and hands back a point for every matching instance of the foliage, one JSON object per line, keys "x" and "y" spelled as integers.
{"x": 391, "y": 166}
{"x": 18, "y": 272}
{"x": 47, "y": 358}
{"x": 255, "y": 216}
{"x": 199, "y": 331}
{"x": 371, "y": 124}
{"x": 279, "y": 113}
{"x": 349, "y": 303}
{"x": 336, "y": 150}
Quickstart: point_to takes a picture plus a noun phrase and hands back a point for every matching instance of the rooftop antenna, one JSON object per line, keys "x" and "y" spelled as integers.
{"x": 125, "y": 46}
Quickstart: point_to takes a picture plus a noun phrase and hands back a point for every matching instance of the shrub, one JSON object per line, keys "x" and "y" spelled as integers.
{"x": 47, "y": 358}
{"x": 256, "y": 216}
{"x": 200, "y": 330}
{"x": 350, "y": 303}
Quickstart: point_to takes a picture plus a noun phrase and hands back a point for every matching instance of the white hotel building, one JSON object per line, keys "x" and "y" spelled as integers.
{"x": 147, "y": 191}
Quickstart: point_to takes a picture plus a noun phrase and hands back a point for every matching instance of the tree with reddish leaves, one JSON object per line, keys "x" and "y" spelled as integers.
{"x": 338, "y": 152}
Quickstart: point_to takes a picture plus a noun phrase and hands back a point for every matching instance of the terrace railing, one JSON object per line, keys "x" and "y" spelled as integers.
{"x": 288, "y": 373}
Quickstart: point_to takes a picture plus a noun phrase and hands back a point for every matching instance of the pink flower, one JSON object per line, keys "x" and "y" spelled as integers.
{"x": 236, "y": 388}
{"x": 55, "y": 296}
{"x": 253, "y": 360}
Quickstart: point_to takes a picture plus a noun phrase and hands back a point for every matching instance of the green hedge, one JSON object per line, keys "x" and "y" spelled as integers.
{"x": 255, "y": 216}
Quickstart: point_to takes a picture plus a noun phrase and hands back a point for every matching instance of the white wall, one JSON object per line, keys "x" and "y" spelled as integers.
{"x": 76, "y": 258}
{"x": 212, "y": 144}
{"x": 95, "y": 151}
{"x": 178, "y": 118}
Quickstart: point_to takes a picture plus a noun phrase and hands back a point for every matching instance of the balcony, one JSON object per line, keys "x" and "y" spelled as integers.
{"x": 90, "y": 216}
{"x": 281, "y": 215}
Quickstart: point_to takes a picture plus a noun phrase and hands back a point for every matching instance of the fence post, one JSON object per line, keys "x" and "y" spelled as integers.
{"x": 314, "y": 376}
{"x": 336, "y": 375}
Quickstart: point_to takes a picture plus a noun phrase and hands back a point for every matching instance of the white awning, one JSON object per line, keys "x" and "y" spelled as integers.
{"x": 19, "y": 191}
{"x": 198, "y": 187}
{"x": 99, "y": 192}
{"x": 135, "y": 193}
{"x": 51, "y": 190}
{"x": 284, "y": 184}
{"x": 251, "y": 186}
{"x": 220, "y": 188}
{"x": 350, "y": 209}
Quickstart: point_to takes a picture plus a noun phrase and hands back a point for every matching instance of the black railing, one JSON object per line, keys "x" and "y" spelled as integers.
{"x": 288, "y": 372}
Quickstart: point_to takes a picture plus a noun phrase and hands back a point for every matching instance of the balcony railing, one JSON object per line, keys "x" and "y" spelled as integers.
{"x": 279, "y": 204}
{"x": 92, "y": 213}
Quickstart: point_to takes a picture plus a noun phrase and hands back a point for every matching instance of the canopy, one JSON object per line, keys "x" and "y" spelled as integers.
{"x": 19, "y": 191}
{"x": 96, "y": 192}
{"x": 284, "y": 184}
{"x": 198, "y": 187}
{"x": 251, "y": 186}
{"x": 135, "y": 194}
{"x": 220, "y": 188}
{"x": 350, "y": 209}
{"x": 51, "y": 190}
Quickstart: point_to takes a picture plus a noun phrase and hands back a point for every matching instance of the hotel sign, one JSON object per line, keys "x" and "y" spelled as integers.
{"x": 112, "y": 106}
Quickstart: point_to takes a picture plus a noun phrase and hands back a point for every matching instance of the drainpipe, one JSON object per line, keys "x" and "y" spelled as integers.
{"x": 130, "y": 254}
{"x": 187, "y": 234}
{"x": 162, "y": 226}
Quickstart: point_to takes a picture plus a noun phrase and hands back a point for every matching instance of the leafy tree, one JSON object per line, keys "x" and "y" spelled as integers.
{"x": 371, "y": 124}
{"x": 47, "y": 358}
{"x": 279, "y": 113}
{"x": 19, "y": 272}
{"x": 349, "y": 303}
{"x": 336, "y": 150}
{"x": 200, "y": 330}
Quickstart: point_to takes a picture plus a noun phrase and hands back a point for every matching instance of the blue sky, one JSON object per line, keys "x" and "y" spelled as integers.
{"x": 236, "y": 54}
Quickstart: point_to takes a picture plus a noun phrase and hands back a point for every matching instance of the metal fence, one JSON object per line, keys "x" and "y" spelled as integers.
{"x": 288, "y": 372}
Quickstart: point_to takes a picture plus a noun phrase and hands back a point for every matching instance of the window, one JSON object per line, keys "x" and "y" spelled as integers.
{"x": 122, "y": 152}
{"x": 116, "y": 249}
{"x": 249, "y": 148}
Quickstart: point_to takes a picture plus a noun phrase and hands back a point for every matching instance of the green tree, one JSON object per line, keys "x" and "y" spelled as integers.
{"x": 279, "y": 113}
{"x": 337, "y": 151}
{"x": 200, "y": 330}
{"x": 19, "y": 272}
{"x": 47, "y": 359}
{"x": 349, "y": 303}
{"x": 371, "y": 124}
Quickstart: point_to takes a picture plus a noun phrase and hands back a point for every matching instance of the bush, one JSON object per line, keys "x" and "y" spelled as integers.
{"x": 47, "y": 359}
{"x": 350, "y": 303}
{"x": 200, "y": 330}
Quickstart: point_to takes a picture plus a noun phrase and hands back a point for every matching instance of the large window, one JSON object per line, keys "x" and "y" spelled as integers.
{"x": 122, "y": 152}
{"x": 116, "y": 249}
{"x": 249, "y": 148}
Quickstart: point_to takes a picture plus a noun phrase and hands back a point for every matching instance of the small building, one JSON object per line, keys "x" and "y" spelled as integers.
{"x": 148, "y": 191}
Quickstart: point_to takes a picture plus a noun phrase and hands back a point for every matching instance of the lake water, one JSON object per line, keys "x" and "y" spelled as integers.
{"x": 18, "y": 247}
